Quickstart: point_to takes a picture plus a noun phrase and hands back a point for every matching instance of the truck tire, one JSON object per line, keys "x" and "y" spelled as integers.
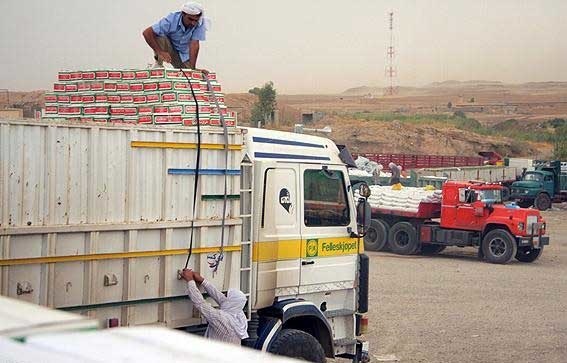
{"x": 430, "y": 249}
{"x": 528, "y": 254}
{"x": 498, "y": 246}
{"x": 542, "y": 201}
{"x": 402, "y": 239}
{"x": 298, "y": 344}
{"x": 377, "y": 235}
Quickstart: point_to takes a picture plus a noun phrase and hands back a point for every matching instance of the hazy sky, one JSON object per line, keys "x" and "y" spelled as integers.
{"x": 309, "y": 46}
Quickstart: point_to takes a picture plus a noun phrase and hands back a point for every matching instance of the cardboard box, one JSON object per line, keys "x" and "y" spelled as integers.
{"x": 165, "y": 85}
{"x": 136, "y": 87}
{"x": 83, "y": 86}
{"x": 101, "y": 98}
{"x": 163, "y": 110}
{"x": 128, "y": 75}
{"x": 59, "y": 87}
{"x": 76, "y": 98}
{"x": 50, "y": 98}
{"x": 97, "y": 86}
{"x": 51, "y": 110}
{"x": 168, "y": 119}
{"x": 95, "y": 110}
{"x": 64, "y": 76}
{"x": 88, "y": 98}
{"x": 168, "y": 97}
{"x": 139, "y": 98}
{"x": 87, "y": 75}
{"x": 115, "y": 75}
{"x": 145, "y": 119}
{"x": 142, "y": 74}
{"x": 145, "y": 110}
{"x": 114, "y": 99}
{"x": 157, "y": 73}
{"x": 69, "y": 110}
{"x": 122, "y": 87}
{"x": 101, "y": 74}
{"x": 202, "y": 109}
{"x": 71, "y": 87}
{"x": 109, "y": 86}
{"x": 150, "y": 86}
{"x": 63, "y": 98}
{"x": 153, "y": 97}
{"x": 75, "y": 76}
{"x": 126, "y": 98}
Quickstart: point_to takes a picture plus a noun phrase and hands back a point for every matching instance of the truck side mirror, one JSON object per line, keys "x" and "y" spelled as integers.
{"x": 363, "y": 216}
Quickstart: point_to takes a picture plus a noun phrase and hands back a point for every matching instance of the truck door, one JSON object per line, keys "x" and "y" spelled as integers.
{"x": 328, "y": 252}
{"x": 277, "y": 249}
{"x": 468, "y": 215}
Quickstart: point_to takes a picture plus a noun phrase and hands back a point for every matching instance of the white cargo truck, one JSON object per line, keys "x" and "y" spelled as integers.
{"x": 99, "y": 219}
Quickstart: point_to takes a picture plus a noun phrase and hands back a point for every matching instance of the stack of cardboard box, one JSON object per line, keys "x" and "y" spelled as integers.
{"x": 145, "y": 96}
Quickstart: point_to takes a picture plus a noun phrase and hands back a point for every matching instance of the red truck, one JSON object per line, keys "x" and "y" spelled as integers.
{"x": 470, "y": 214}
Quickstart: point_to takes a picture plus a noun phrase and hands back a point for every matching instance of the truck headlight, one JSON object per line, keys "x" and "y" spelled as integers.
{"x": 521, "y": 226}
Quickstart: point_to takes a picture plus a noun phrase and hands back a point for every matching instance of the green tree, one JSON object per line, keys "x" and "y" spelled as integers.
{"x": 560, "y": 143}
{"x": 263, "y": 110}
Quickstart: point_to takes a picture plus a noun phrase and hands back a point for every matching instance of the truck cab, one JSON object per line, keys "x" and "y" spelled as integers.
{"x": 307, "y": 257}
{"x": 501, "y": 231}
{"x": 538, "y": 187}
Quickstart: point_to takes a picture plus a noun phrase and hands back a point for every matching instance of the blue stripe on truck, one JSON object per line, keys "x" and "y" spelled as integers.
{"x": 172, "y": 171}
{"x": 289, "y": 156}
{"x": 267, "y": 140}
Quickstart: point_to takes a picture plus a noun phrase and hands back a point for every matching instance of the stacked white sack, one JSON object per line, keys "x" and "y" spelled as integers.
{"x": 406, "y": 199}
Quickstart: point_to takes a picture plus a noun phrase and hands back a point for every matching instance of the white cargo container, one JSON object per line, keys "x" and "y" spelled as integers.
{"x": 97, "y": 220}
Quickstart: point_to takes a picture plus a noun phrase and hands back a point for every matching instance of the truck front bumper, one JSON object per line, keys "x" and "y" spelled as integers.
{"x": 533, "y": 241}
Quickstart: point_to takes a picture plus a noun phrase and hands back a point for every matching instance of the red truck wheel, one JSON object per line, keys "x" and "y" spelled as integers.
{"x": 498, "y": 246}
{"x": 528, "y": 254}
{"x": 377, "y": 235}
{"x": 402, "y": 238}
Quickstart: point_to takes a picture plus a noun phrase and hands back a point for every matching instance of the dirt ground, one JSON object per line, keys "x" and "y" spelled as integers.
{"x": 454, "y": 308}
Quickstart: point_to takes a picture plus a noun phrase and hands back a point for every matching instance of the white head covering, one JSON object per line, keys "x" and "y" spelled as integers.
{"x": 194, "y": 8}
{"x": 233, "y": 305}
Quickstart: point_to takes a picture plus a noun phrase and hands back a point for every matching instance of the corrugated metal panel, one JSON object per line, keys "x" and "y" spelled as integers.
{"x": 90, "y": 219}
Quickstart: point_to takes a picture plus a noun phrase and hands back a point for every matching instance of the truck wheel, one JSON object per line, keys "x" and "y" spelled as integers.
{"x": 377, "y": 235}
{"x": 528, "y": 254}
{"x": 429, "y": 249}
{"x": 542, "y": 201}
{"x": 297, "y": 344}
{"x": 402, "y": 238}
{"x": 498, "y": 246}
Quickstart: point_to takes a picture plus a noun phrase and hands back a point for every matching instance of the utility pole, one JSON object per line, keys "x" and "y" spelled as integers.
{"x": 391, "y": 71}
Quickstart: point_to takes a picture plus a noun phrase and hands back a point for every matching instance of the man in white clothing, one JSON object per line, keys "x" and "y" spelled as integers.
{"x": 227, "y": 324}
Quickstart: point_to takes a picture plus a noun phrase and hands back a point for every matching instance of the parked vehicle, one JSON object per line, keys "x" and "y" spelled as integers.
{"x": 470, "y": 214}
{"x": 541, "y": 187}
{"x": 99, "y": 219}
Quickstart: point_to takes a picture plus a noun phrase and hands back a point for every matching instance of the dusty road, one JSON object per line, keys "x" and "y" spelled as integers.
{"x": 454, "y": 308}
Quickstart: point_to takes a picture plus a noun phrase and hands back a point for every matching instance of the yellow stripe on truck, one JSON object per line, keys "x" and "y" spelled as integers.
{"x": 308, "y": 248}
{"x": 111, "y": 256}
{"x": 182, "y": 145}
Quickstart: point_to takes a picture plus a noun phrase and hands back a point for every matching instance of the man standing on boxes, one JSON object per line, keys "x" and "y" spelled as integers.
{"x": 175, "y": 38}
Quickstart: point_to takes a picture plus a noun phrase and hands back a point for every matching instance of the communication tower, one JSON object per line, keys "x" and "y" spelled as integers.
{"x": 391, "y": 70}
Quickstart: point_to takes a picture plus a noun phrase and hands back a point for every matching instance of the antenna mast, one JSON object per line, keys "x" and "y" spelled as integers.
{"x": 391, "y": 71}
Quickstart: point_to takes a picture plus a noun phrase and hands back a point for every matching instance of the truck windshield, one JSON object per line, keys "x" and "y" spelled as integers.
{"x": 533, "y": 177}
{"x": 490, "y": 195}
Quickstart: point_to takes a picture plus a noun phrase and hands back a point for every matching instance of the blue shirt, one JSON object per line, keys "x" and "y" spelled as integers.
{"x": 172, "y": 27}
